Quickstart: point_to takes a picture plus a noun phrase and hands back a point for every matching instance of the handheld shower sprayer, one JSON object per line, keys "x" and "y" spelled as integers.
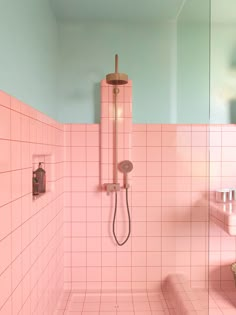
{"x": 125, "y": 167}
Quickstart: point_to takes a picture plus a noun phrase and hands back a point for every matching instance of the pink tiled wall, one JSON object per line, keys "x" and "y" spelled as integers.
{"x": 83, "y": 204}
{"x": 169, "y": 207}
{"x": 223, "y": 175}
{"x": 171, "y": 175}
{"x": 31, "y": 231}
{"x": 168, "y": 199}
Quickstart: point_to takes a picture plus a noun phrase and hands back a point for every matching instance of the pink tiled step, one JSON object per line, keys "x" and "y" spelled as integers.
{"x": 182, "y": 298}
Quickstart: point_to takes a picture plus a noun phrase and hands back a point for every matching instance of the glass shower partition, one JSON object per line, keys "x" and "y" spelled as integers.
{"x": 187, "y": 280}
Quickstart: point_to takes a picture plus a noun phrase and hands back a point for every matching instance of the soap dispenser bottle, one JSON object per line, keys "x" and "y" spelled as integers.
{"x": 41, "y": 178}
{"x": 35, "y": 185}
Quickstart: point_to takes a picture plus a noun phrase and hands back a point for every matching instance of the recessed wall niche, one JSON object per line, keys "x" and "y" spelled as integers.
{"x": 42, "y": 175}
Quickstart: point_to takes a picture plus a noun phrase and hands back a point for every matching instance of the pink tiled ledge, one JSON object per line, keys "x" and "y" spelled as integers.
{"x": 224, "y": 215}
{"x": 182, "y": 298}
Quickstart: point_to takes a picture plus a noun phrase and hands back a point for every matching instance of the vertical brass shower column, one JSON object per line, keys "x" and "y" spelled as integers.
{"x": 116, "y": 122}
{"x": 116, "y": 79}
{"x": 115, "y": 136}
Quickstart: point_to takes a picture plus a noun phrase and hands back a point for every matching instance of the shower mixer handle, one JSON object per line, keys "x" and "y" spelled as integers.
{"x": 111, "y": 187}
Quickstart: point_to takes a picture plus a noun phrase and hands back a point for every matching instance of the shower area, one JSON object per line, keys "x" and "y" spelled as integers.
{"x": 128, "y": 125}
{"x": 140, "y": 242}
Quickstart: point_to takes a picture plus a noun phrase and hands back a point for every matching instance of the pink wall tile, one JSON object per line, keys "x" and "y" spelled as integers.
{"x": 5, "y": 188}
{"x": 138, "y": 199}
{"x": 176, "y": 168}
{"x": 154, "y": 127}
{"x": 139, "y": 183}
{"x": 215, "y": 139}
{"x": 176, "y": 183}
{"x": 79, "y": 168}
{"x": 153, "y": 229}
{"x": 92, "y": 154}
{"x": 176, "y": 138}
{"x": 5, "y": 246}
{"x": 140, "y": 169}
{"x": 15, "y": 126}
{"x": 5, "y": 99}
{"x": 154, "y": 138}
{"x": 228, "y": 154}
{"x": 139, "y": 127}
{"x": 199, "y": 139}
{"x": 16, "y": 156}
{"x": 93, "y": 128}
{"x": 176, "y": 154}
{"x": 153, "y": 199}
{"x": 154, "y": 183}
{"x": 200, "y": 154}
{"x": 92, "y": 169}
{"x": 5, "y": 280}
{"x": 5, "y": 158}
{"x": 139, "y": 154}
{"x": 77, "y": 127}
{"x": 15, "y": 104}
{"x": 5, "y": 126}
{"x": 154, "y": 153}
{"x": 78, "y": 154}
{"x": 92, "y": 138}
{"x": 139, "y": 138}
{"x": 5, "y": 221}
{"x": 25, "y": 128}
{"x": 154, "y": 169}
{"x": 178, "y": 127}
{"x": 78, "y": 138}
{"x": 227, "y": 138}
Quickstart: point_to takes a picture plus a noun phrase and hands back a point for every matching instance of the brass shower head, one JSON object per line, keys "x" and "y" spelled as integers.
{"x": 116, "y": 78}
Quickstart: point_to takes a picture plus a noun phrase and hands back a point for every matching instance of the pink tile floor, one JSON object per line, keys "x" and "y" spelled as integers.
{"x": 222, "y": 302}
{"x": 151, "y": 303}
{"x": 112, "y": 304}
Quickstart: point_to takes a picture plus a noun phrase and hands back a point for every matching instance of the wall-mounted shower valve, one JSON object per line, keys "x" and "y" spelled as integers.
{"x": 111, "y": 187}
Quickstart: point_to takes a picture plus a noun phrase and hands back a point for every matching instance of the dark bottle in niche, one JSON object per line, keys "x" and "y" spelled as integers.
{"x": 41, "y": 178}
{"x": 35, "y": 185}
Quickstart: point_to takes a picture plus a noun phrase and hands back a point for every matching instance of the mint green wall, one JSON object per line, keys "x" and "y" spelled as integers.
{"x": 28, "y": 54}
{"x": 223, "y": 72}
{"x": 193, "y": 49}
{"x": 87, "y": 53}
{"x": 57, "y": 67}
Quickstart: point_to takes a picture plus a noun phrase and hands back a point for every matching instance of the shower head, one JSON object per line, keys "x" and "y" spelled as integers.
{"x": 125, "y": 167}
{"x": 116, "y": 78}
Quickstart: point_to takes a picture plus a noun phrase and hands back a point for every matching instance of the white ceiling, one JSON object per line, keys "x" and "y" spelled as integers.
{"x": 117, "y": 10}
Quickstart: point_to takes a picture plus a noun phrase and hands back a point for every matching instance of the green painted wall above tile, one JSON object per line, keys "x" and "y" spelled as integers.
{"x": 87, "y": 53}
{"x": 56, "y": 52}
{"x": 28, "y": 54}
{"x": 223, "y": 62}
{"x": 193, "y": 62}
